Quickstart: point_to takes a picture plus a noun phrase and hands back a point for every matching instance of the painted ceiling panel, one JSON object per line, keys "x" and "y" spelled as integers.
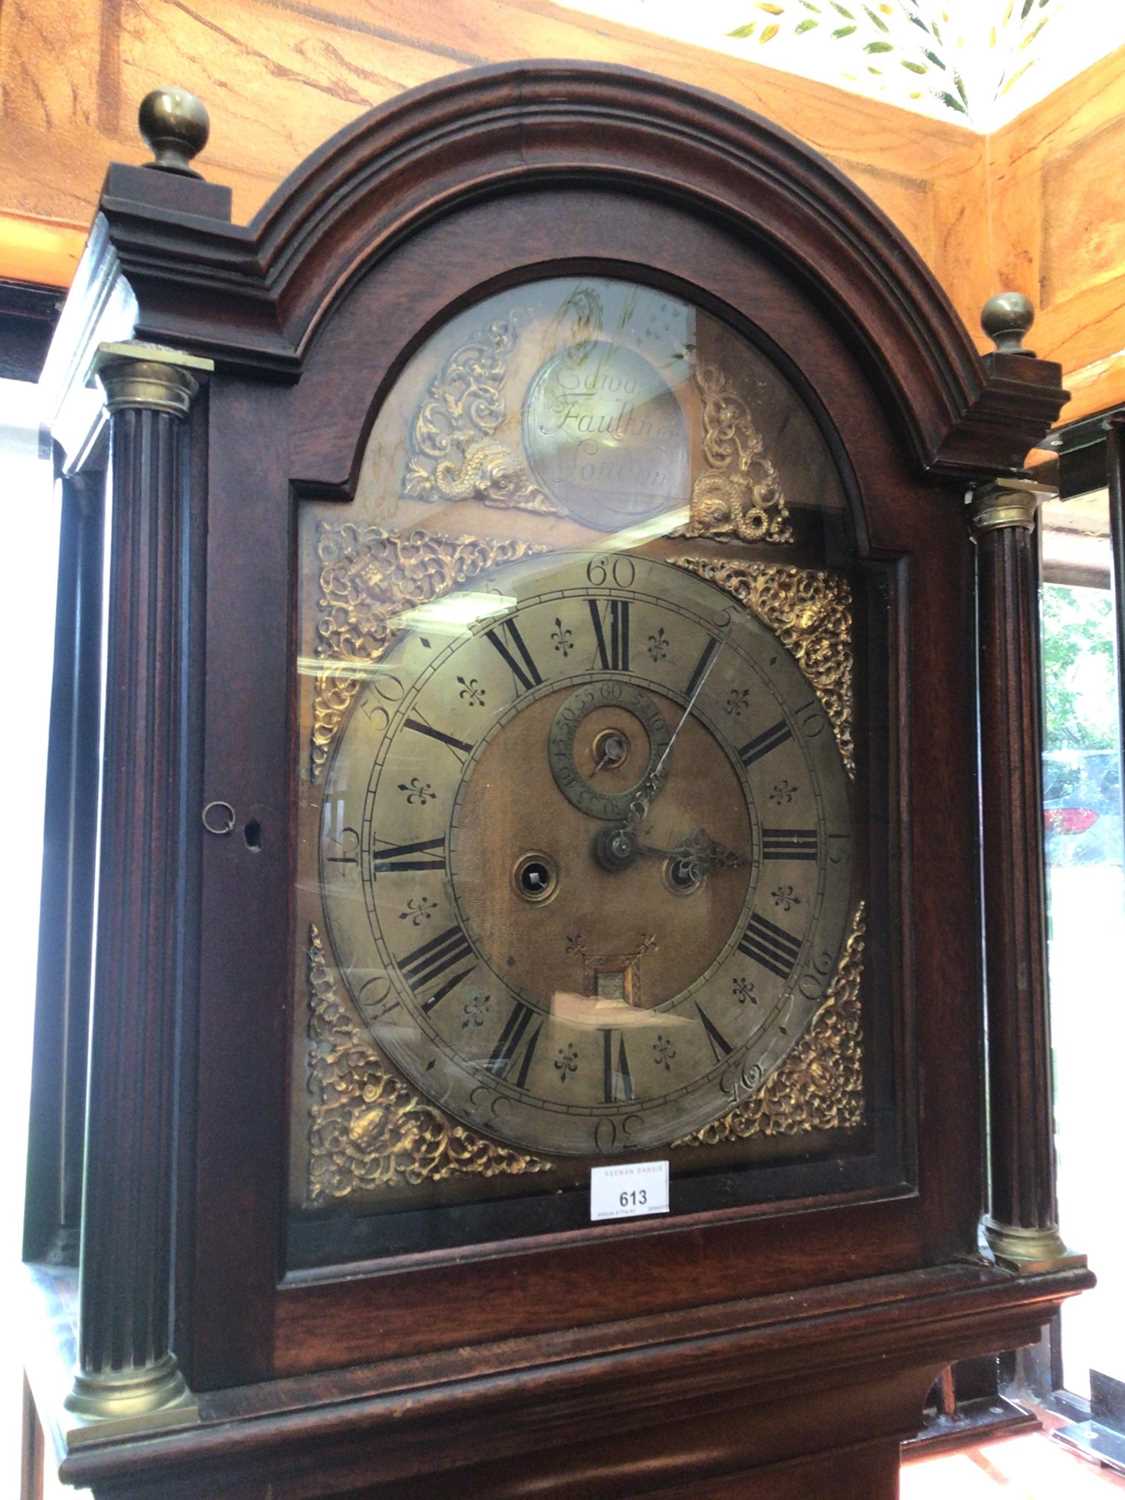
{"x": 977, "y": 63}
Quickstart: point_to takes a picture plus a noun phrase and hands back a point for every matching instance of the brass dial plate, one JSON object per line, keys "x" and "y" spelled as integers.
{"x": 619, "y": 1014}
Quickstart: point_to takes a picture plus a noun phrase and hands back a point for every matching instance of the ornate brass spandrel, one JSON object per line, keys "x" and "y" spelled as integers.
{"x": 455, "y": 453}
{"x": 367, "y": 1128}
{"x": 367, "y": 578}
{"x": 810, "y": 611}
{"x": 738, "y": 496}
{"x": 819, "y": 1086}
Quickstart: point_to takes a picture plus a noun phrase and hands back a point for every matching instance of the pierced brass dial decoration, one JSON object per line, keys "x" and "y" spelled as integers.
{"x": 368, "y": 1128}
{"x": 480, "y": 1001}
{"x": 457, "y": 454}
{"x": 811, "y": 611}
{"x": 367, "y": 578}
{"x": 739, "y": 495}
{"x": 568, "y": 421}
{"x": 820, "y": 1084}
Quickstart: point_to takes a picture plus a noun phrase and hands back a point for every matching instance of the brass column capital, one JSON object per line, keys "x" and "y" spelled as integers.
{"x": 1008, "y": 502}
{"x": 149, "y": 377}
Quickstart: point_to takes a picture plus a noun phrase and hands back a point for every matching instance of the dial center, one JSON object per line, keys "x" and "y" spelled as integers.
{"x": 552, "y": 918}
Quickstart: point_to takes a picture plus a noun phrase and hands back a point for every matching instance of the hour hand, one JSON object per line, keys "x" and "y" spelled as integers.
{"x": 701, "y": 851}
{"x": 618, "y": 848}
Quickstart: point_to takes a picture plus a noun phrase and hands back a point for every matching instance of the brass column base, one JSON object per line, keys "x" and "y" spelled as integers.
{"x": 135, "y": 1399}
{"x": 1029, "y": 1250}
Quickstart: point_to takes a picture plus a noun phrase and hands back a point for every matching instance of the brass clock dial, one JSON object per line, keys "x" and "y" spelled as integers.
{"x": 598, "y": 855}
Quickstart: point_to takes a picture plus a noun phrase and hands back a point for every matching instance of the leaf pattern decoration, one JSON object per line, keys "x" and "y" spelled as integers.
{"x": 916, "y": 35}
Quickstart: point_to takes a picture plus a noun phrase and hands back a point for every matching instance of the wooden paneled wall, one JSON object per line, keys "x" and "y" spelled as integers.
{"x": 1057, "y": 198}
{"x": 278, "y": 76}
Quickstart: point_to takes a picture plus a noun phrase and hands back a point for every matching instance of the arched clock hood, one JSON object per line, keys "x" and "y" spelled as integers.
{"x": 254, "y": 296}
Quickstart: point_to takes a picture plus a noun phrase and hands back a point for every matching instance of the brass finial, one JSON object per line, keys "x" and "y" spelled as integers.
{"x": 175, "y": 125}
{"x": 1006, "y": 318}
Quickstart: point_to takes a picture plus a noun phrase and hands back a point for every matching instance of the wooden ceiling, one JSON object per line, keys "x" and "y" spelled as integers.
{"x": 1031, "y": 207}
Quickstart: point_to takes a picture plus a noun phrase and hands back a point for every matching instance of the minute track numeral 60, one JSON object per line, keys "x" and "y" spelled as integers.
{"x": 620, "y": 571}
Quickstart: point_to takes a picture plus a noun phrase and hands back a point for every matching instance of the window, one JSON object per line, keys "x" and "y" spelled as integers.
{"x": 29, "y": 534}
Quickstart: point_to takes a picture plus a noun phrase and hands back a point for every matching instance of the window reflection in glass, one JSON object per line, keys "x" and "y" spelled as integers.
{"x": 1085, "y": 853}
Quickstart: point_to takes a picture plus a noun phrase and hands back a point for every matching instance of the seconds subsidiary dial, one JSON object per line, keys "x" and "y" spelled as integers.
{"x": 586, "y": 862}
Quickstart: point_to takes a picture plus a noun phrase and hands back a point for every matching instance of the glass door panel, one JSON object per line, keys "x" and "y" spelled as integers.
{"x": 1082, "y": 814}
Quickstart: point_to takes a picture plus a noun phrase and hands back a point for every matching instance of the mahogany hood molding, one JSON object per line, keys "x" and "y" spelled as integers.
{"x": 265, "y": 287}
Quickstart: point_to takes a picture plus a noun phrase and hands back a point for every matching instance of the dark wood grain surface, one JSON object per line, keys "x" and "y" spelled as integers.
{"x": 253, "y": 295}
{"x": 126, "y": 1215}
{"x": 244, "y": 969}
{"x": 721, "y": 1396}
{"x": 1022, "y": 1153}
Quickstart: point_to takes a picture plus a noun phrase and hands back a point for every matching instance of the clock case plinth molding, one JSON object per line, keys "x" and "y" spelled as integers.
{"x": 768, "y": 1353}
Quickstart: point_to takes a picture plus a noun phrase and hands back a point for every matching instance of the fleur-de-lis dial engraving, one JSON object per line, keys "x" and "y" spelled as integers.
{"x": 603, "y": 839}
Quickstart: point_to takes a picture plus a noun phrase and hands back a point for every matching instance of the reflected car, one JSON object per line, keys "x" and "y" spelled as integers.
{"x": 1082, "y": 821}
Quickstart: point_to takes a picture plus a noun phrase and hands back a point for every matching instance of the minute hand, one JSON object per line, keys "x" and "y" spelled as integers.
{"x": 646, "y": 792}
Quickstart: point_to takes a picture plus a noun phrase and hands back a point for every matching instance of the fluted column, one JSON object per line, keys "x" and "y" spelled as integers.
{"x": 126, "y": 1366}
{"x": 1022, "y": 1223}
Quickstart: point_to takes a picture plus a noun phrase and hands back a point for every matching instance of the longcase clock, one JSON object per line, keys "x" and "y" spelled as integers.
{"x": 533, "y": 917}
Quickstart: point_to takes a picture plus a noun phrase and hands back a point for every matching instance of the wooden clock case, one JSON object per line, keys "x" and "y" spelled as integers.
{"x": 779, "y": 1350}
